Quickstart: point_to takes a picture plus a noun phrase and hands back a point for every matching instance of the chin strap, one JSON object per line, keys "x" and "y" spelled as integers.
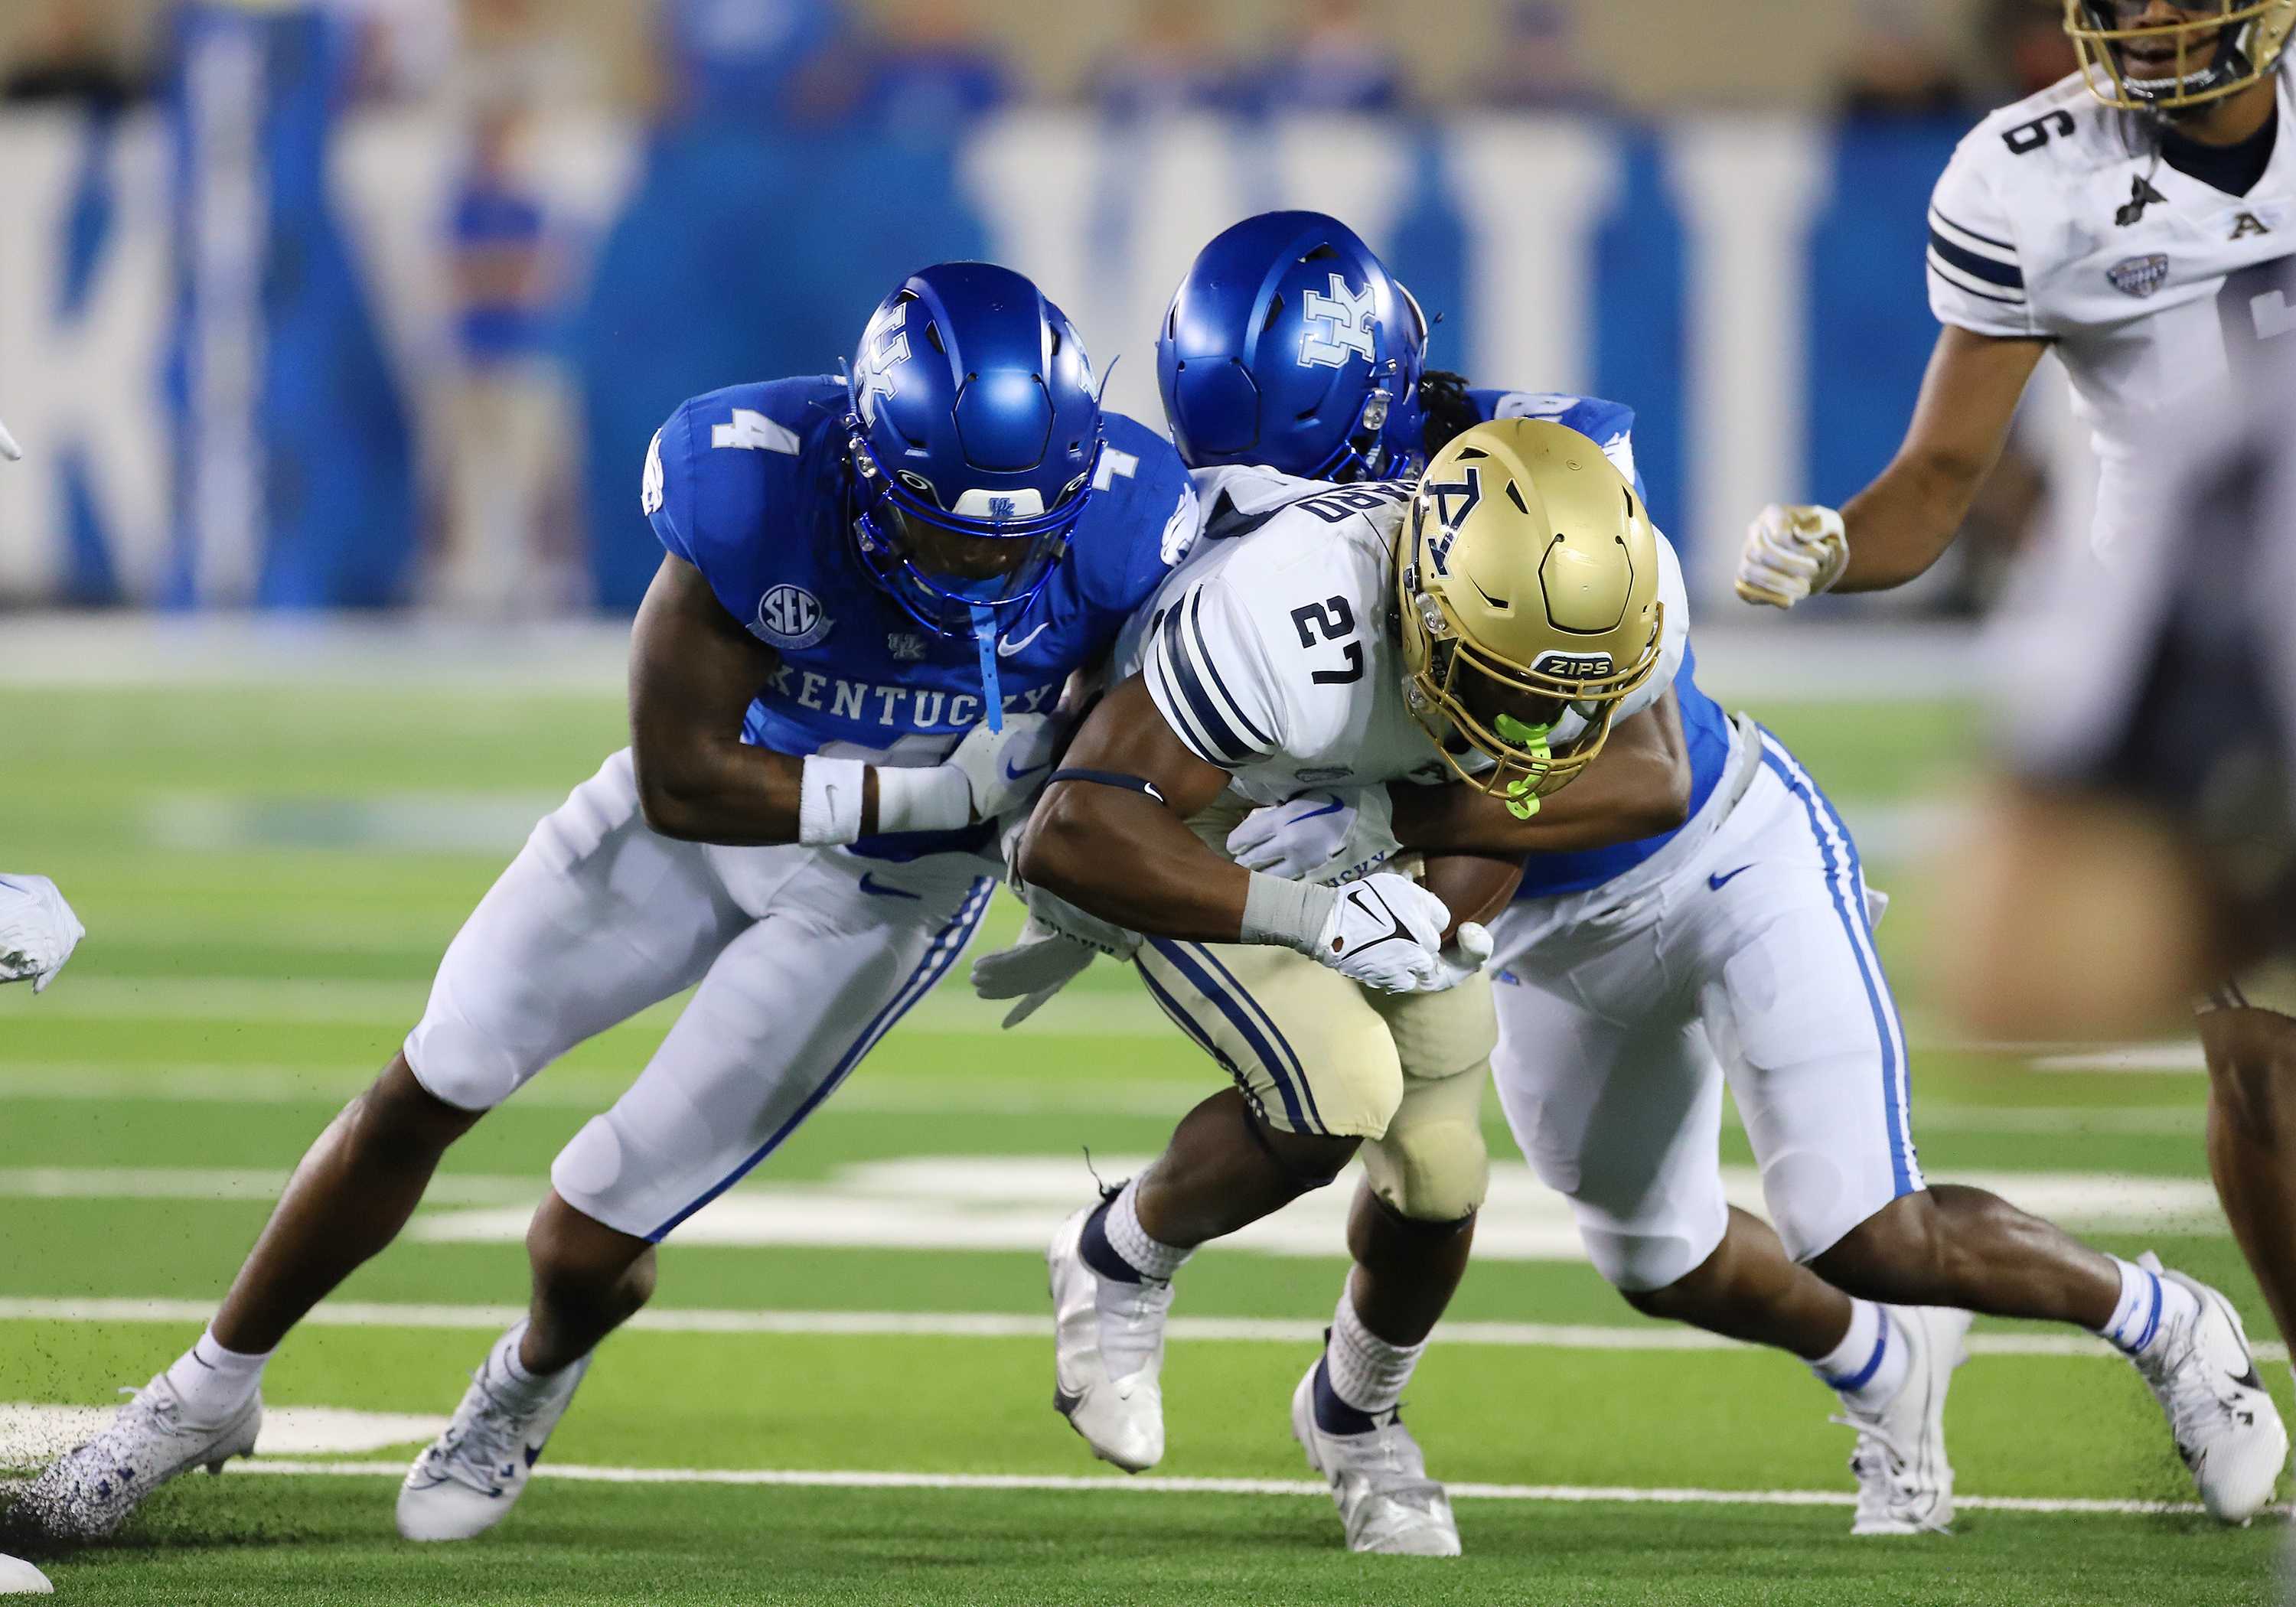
{"x": 992, "y": 689}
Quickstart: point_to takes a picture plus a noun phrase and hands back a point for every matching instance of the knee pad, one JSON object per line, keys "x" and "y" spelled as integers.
{"x": 460, "y": 1065}
{"x": 1642, "y": 1263}
{"x": 1435, "y": 1170}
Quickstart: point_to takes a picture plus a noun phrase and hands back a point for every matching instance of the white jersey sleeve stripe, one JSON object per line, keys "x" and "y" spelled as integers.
{"x": 1181, "y": 682}
{"x": 1970, "y": 285}
{"x": 1970, "y": 240}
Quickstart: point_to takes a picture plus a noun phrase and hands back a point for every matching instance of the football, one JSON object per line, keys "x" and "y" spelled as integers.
{"x": 1474, "y": 888}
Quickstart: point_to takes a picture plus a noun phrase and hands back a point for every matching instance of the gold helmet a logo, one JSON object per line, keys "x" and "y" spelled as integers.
{"x": 1526, "y": 590}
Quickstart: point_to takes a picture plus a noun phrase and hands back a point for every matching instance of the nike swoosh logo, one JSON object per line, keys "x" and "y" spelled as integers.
{"x": 870, "y": 884}
{"x": 1005, "y": 650}
{"x": 2247, "y": 1379}
{"x": 1013, "y": 775}
{"x": 1718, "y": 882}
{"x": 1333, "y": 807}
{"x": 1395, "y": 928}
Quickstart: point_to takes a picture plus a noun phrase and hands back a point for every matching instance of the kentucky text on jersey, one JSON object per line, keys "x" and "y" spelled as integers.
{"x": 747, "y": 484}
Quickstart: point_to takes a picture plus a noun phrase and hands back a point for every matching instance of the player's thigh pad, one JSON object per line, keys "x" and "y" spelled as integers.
{"x": 597, "y": 918}
{"x": 789, "y": 1009}
{"x": 1300, "y": 1040}
{"x": 1623, "y": 1118}
{"x": 1801, "y": 1013}
{"x": 1432, "y": 1165}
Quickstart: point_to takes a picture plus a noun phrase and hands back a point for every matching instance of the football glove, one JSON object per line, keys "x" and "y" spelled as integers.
{"x": 1386, "y": 931}
{"x": 1325, "y": 837}
{"x": 9, "y": 449}
{"x": 1006, "y": 768}
{"x": 1791, "y": 554}
{"x": 37, "y": 930}
{"x": 991, "y": 773}
{"x": 1469, "y": 952}
{"x": 1033, "y": 970}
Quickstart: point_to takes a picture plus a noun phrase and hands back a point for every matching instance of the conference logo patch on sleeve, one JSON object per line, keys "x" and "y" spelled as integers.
{"x": 790, "y": 617}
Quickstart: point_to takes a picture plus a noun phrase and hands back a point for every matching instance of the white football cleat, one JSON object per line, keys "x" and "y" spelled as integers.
{"x": 88, "y": 1493}
{"x": 2227, "y": 1429}
{"x": 1108, "y": 1353}
{"x": 1905, "y": 1483}
{"x": 466, "y": 1480}
{"x": 1379, "y": 1481}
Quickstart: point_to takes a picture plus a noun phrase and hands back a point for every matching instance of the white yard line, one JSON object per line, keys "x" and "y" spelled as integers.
{"x": 991, "y": 1324}
{"x": 1573, "y": 1493}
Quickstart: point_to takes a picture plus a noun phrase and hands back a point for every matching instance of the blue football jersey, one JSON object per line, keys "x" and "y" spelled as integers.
{"x": 747, "y": 485}
{"x": 1705, "y": 728}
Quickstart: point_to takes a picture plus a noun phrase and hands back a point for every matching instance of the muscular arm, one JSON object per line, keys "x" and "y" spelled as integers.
{"x": 693, "y": 671}
{"x": 1904, "y": 521}
{"x": 1638, "y": 786}
{"x": 1120, "y": 854}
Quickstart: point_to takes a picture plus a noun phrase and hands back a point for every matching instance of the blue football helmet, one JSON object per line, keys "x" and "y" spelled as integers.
{"x": 974, "y": 437}
{"x": 1290, "y": 344}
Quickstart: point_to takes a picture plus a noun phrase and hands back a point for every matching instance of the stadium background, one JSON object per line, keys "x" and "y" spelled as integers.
{"x": 334, "y": 334}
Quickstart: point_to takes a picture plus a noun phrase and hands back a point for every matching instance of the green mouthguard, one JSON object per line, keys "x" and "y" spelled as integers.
{"x": 1520, "y": 801}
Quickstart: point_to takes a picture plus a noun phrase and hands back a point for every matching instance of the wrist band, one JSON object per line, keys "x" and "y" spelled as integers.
{"x": 1278, "y": 910}
{"x": 933, "y": 798}
{"x": 829, "y": 802}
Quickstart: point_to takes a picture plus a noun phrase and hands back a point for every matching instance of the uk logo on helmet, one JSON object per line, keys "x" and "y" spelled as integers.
{"x": 1346, "y": 316}
{"x": 887, "y": 344}
{"x": 790, "y": 617}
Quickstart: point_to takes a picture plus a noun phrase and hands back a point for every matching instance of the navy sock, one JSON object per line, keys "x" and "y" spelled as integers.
{"x": 1334, "y": 1415}
{"x": 1099, "y": 1254}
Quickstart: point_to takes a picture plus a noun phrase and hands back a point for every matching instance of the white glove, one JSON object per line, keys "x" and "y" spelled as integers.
{"x": 990, "y": 773}
{"x": 1385, "y": 931}
{"x": 37, "y": 930}
{"x": 9, "y": 449}
{"x": 1033, "y": 970}
{"x": 1470, "y": 951}
{"x": 1791, "y": 554}
{"x": 1006, "y": 768}
{"x": 1327, "y": 837}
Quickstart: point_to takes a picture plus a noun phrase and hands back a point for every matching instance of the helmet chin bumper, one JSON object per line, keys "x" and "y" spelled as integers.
{"x": 2218, "y": 52}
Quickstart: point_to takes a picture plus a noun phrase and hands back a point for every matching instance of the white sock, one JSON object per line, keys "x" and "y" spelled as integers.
{"x": 507, "y": 1378}
{"x": 213, "y": 1381}
{"x": 1868, "y": 1367}
{"x": 1365, "y": 1370}
{"x": 1145, "y": 1254}
{"x": 2149, "y": 1307}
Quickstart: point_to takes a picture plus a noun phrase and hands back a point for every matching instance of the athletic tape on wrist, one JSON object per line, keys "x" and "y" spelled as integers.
{"x": 937, "y": 798}
{"x": 1280, "y": 911}
{"x": 829, "y": 802}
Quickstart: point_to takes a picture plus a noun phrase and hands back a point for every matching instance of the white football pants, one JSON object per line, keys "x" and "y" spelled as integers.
{"x": 805, "y": 956}
{"x": 1623, "y": 1009}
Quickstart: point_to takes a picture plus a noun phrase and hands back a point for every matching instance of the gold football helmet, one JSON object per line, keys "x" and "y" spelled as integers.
{"x": 2215, "y": 48}
{"x": 1527, "y": 586}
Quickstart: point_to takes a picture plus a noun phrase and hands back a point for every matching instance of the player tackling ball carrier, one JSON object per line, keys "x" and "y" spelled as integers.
{"x": 2136, "y": 219}
{"x": 870, "y": 588}
{"x": 1637, "y": 978}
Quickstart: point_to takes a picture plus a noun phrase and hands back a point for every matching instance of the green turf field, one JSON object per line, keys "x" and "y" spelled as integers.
{"x": 843, "y": 1392}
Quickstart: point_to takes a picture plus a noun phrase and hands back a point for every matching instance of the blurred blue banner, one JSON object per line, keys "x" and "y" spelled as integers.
{"x": 220, "y": 332}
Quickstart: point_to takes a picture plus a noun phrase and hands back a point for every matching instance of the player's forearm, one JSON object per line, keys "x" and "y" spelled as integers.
{"x": 1638, "y": 786}
{"x": 725, "y": 792}
{"x": 1902, "y": 523}
{"x": 1128, "y": 859}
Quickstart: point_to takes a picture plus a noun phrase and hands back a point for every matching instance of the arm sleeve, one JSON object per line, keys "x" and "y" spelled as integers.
{"x": 1977, "y": 279}
{"x": 1209, "y": 675}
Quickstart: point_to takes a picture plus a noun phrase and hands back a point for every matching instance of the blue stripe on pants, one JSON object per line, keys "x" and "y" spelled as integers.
{"x": 939, "y": 955}
{"x": 1845, "y": 884}
{"x": 1242, "y": 1020}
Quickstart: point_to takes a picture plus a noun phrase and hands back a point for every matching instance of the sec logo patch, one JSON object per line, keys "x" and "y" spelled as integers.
{"x": 790, "y": 617}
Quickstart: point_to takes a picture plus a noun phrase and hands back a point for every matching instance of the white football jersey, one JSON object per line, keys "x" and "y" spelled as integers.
{"x": 2058, "y": 218}
{"x": 1271, "y": 651}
